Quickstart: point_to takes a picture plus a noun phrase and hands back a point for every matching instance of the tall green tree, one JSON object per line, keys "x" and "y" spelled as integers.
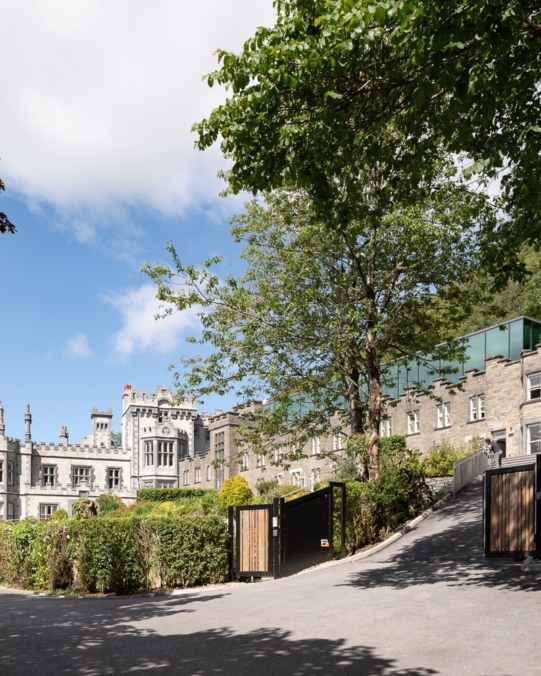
{"x": 312, "y": 98}
{"x": 318, "y": 311}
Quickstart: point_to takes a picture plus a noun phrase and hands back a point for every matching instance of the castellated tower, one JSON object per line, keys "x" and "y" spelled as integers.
{"x": 101, "y": 429}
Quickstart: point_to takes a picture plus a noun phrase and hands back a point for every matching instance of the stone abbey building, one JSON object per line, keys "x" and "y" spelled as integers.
{"x": 167, "y": 445}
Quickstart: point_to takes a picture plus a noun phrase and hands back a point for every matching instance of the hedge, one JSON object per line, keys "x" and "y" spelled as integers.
{"x": 172, "y": 494}
{"x": 114, "y": 555}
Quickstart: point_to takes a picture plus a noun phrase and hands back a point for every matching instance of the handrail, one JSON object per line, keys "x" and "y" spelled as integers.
{"x": 468, "y": 468}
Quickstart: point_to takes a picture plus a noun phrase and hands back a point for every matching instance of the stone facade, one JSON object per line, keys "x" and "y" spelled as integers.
{"x": 503, "y": 401}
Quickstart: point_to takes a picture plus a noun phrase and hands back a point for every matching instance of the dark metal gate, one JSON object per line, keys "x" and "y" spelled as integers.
{"x": 307, "y": 529}
{"x": 288, "y": 536}
{"x": 511, "y": 509}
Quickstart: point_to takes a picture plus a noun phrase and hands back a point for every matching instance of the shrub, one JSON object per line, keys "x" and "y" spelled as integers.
{"x": 440, "y": 459}
{"x": 105, "y": 555}
{"x": 375, "y": 509}
{"x": 172, "y": 494}
{"x": 107, "y": 503}
{"x": 235, "y": 491}
{"x": 84, "y": 508}
{"x": 264, "y": 487}
{"x": 114, "y": 555}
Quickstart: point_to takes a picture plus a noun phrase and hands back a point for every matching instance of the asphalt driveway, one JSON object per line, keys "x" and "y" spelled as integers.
{"x": 429, "y": 604}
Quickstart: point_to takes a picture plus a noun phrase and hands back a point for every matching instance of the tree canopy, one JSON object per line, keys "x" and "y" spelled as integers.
{"x": 318, "y": 311}
{"x": 5, "y": 224}
{"x": 312, "y": 100}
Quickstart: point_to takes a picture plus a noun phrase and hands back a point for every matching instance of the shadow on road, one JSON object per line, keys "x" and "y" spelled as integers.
{"x": 453, "y": 556}
{"x": 91, "y": 638}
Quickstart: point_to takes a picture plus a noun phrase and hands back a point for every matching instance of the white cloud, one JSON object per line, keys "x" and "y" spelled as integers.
{"x": 140, "y": 330}
{"x": 100, "y": 98}
{"x": 78, "y": 347}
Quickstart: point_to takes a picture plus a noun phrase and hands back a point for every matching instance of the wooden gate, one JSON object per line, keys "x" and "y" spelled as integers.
{"x": 253, "y": 540}
{"x": 510, "y": 510}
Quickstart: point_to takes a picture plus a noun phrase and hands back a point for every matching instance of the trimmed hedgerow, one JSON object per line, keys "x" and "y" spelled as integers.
{"x": 172, "y": 494}
{"x": 114, "y": 555}
{"x": 191, "y": 551}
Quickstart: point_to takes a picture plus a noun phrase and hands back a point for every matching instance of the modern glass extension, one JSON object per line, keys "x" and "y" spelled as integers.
{"x": 507, "y": 339}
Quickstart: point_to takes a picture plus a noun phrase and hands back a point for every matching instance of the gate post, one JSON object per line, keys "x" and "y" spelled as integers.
{"x": 343, "y": 520}
{"x": 231, "y": 518}
{"x": 276, "y": 529}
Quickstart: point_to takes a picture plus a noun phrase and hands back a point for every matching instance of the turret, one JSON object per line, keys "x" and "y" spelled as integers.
{"x": 28, "y": 423}
{"x": 64, "y": 437}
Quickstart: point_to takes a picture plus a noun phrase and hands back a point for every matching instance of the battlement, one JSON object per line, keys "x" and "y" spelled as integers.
{"x": 108, "y": 413}
{"x": 162, "y": 396}
{"x": 52, "y": 448}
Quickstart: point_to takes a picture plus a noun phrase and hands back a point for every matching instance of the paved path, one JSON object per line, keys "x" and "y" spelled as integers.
{"x": 429, "y": 604}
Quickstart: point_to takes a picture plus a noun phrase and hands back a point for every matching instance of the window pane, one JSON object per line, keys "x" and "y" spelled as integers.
{"x": 534, "y": 438}
{"x": 497, "y": 342}
{"x": 481, "y": 400}
{"x": 475, "y": 353}
{"x": 516, "y": 339}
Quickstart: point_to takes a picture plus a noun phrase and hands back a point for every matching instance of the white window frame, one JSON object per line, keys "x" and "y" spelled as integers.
{"x": 414, "y": 421}
{"x": 386, "y": 427}
{"x": 260, "y": 460}
{"x": 1, "y": 510}
{"x": 197, "y": 478}
{"x": 80, "y": 472}
{"x": 114, "y": 476}
{"x": 477, "y": 407}
{"x": 443, "y": 415}
{"x": 278, "y": 478}
{"x": 11, "y": 473}
{"x": 297, "y": 478}
{"x": 337, "y": 442}
{"x": 46, "y": 511}
{"x": 278, "y": 454}
{"x": 186, "y": 477}
{"x": 149, "y": 454}
{"x": 534, "y": 387}
{"x": 244, "y": 461}
{"x": 48, "y": 476}
{"x": 166, "y": 453}
{"x": 536, "y": 443}
{"x": 208, "y": 472}
{"x": 316, "y": 445}
{"x": 316, "y": 475}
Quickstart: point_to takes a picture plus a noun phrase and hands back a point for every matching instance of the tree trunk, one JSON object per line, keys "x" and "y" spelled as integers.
{"x": 356, "y": 415}
{"x": 374, "y": 405}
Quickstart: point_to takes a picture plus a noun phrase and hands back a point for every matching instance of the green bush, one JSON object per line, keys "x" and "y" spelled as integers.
{"x": 107, "y": 503}
{"x": 84, "y": 508}
{"x": 114, "y": 555}
{"x": 440, "y": 459}
{"x": 172, "y": 494}
{"x": 375, "y": 509}
{"x": 235, "y": 491}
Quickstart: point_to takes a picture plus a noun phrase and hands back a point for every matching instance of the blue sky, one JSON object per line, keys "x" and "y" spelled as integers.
{"x": 100, "y": 171}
